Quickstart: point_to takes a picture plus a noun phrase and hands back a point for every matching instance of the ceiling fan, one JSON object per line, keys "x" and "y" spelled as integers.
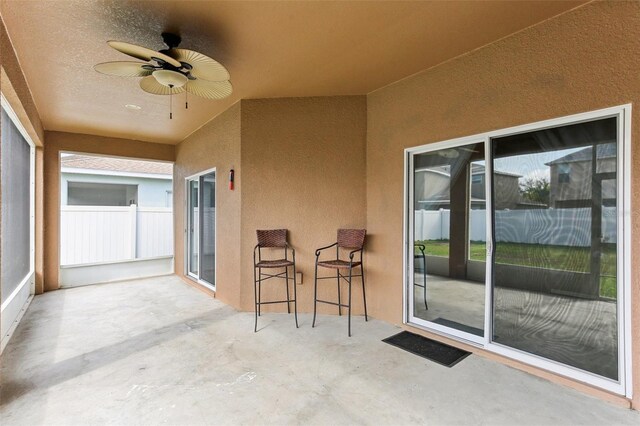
{"x": 171, "y": 71}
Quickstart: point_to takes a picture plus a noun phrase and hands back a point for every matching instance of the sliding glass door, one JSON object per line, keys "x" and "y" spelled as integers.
{"x": 554, "y": 282}
{"x": 208, "y": 233}
{"x": 201, "y": 228}
{"x": 449, "y": 237}
{"x": 193, "y": 218}
{"x": 515, "y": 242}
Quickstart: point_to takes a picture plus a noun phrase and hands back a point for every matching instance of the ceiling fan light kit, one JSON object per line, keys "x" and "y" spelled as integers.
{"x": 170, "y": 78}
{"x": 171, "y": 71}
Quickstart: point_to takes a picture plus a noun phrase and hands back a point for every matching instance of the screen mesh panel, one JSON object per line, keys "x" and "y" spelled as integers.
{"x": 15, "y": 157}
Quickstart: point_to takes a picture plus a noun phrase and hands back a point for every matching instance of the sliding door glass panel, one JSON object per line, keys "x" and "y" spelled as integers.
{"x": 450, "y": 237}
{"x": 193, "y": 220}
{"x": 555, "y": 245}
{"x": 207, "y": 238}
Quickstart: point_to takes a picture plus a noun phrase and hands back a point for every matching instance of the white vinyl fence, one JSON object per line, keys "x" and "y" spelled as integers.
{"x": 539, "y": 226}
{"x": 100, "y": 234}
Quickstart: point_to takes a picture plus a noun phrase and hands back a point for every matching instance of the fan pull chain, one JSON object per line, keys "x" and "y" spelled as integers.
{"x": 171, "y": 105}
{"x": 186, "y": 100}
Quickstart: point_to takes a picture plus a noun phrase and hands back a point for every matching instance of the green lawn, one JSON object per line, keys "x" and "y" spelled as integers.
{"x": 565, "y": 258}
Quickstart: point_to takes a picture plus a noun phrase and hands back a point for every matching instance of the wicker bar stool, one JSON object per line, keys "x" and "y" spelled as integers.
{"x": 348, "y": 239}
{"x": 273, "y": 239}
{"x": 421, "y": 256}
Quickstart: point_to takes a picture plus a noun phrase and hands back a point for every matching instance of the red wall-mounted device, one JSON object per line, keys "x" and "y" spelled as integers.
{"x": 231, "y": 179}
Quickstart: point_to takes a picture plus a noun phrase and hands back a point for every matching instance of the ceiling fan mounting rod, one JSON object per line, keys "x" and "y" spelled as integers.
{"x": 171, "y": 40}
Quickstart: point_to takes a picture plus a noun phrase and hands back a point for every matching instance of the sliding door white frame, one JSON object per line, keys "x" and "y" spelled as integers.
{"x": 187, "y": 224}
{"x": 410, "y": 154}
{"x": 621, "y": 386}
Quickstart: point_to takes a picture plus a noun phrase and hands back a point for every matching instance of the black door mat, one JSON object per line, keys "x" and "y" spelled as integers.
{"x": 427, "y": 348}
{"x": 459, "y": 326}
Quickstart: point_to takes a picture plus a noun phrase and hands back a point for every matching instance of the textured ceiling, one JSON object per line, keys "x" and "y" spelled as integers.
{"x": 272, "y": 49}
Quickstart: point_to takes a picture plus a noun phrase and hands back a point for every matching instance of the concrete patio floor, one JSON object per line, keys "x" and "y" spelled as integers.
{"x": 158, "y": 351}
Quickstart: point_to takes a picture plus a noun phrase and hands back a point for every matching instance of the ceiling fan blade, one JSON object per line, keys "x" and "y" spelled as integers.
{"x": 150, "y": 85}
{"x": 123, "y": 69}
{"x": 209, "y": 89}
{"x": 143, "y": 53}
{"x": 204, "y": 67}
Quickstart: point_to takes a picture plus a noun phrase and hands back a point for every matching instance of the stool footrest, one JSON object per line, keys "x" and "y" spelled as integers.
{"x": 332, "y": 303}
{"x": 275, "y": 301}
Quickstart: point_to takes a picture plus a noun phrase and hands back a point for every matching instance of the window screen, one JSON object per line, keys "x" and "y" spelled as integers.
{"x": 15, "y": 156}
{"x": 101, "y": 194}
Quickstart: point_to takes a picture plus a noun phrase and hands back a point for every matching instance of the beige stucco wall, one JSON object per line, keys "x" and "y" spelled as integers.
{"x": 299, "y": 164}
{"x": 15, "y": 89}
{"x": 584, "y": 60}
{"x": 217, "y": 144}
{"x": 303, "y": 162}
{"x": 57, "y": 142}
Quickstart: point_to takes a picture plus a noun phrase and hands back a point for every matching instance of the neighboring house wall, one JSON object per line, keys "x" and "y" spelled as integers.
{"x": 433, "y": 185}
{"x": 560, "y": 67}
{"x": 569, "y": 191}
{"x": 478, "y": 185}
{"x": 509, "y": 190}
{"x": 507, "y": 185}
{"x": 150, "y": 192}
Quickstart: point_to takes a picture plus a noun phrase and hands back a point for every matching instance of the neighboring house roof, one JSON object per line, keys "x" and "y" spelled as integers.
{"x": 607, "y": 150}
{"x": 111, "y": 164}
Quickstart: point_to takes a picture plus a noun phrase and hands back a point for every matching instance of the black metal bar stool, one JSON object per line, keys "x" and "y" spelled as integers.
{"x": 348, "y": 239}
{"x": 421, "y": 247}
{"x": 273, "y": 239}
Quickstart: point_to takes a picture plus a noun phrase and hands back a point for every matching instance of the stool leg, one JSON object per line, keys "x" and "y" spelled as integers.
{"x": 259, "y": 289}
{"x": 349, "y": 313}
{"x": 364, "y": 296}
{"x": 255, "y": 297}
{"x": 424, "y": 281}
{"x": 295, "y": 297}
{"x": 286, "y": 281}
{"x": 338, "y": 279}
{"x": 315, "y": 295}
